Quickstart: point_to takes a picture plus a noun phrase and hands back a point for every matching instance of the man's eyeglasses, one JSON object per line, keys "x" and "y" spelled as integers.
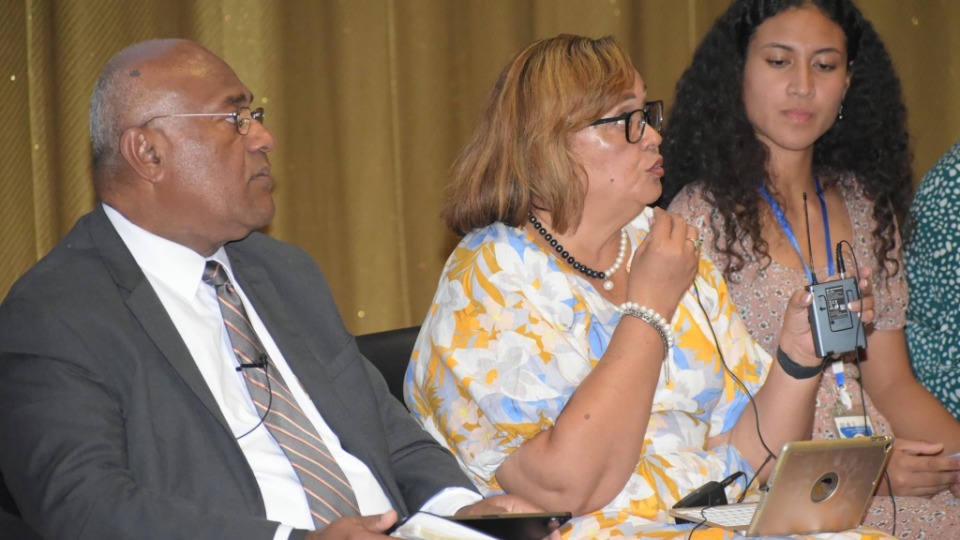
{"x": 241, "y": 118}
{"x": 635, "y": 121}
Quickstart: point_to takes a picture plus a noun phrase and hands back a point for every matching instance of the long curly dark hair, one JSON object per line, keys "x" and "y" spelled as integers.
{"x": 708, "y": 138}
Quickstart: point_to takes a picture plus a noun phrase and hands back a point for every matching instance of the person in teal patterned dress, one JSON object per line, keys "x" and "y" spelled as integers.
{"x": 932, "y": 258}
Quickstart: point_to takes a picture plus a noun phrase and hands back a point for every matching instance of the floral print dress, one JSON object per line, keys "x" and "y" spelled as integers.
{"x": 512, "y": 332}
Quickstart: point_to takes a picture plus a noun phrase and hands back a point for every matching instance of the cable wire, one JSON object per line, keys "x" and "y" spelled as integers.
{"x": 859, "y": 377}
{"x": 756, "y": 413}
{"x": 263, "y": 365}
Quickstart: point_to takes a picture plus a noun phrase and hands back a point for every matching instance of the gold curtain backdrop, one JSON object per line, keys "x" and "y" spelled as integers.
{"x": 369, "y": 100}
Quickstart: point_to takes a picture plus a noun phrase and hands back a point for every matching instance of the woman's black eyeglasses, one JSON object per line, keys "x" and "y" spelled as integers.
{"x": 635, "y": 121}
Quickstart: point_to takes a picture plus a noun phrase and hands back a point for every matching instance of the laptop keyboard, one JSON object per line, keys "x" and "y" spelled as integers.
{"x": 726, "y": 516}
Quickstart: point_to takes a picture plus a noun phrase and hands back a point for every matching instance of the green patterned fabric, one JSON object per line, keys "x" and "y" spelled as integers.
{"x": 932, "y": 257}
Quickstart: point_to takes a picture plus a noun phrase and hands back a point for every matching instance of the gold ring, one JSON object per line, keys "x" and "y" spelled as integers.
{"x": 696, "y": 243}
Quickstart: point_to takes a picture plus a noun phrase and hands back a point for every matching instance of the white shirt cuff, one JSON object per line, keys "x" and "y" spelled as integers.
{"x": 283, "y": 532}
{"x": 447, "y": 501}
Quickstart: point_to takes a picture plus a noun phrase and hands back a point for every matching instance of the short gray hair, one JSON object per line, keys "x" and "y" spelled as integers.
{"x": 108, "y": 105}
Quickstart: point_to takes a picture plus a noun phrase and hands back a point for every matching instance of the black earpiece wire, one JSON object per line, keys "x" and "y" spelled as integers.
{"x": 756, "y": 414}
{"x": 262, "y": 364}
{"x": 863, "y": 400}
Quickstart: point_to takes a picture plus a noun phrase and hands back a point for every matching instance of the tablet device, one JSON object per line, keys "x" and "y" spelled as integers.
{"x": 816, "y": 486}
{"x": 531, "y": 526}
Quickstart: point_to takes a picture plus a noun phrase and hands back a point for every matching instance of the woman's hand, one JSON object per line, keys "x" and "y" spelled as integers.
{"x": 505, "y": 504}
{"x": 796, "y": 337}
{"x": 916, "y": 470}
{"x": 500, "y": 504}
{"x": 664, "y": 264}
{"x": 785, "y": 402}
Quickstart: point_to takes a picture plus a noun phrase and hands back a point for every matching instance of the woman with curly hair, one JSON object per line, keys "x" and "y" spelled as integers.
{"x": 786, "y": 98}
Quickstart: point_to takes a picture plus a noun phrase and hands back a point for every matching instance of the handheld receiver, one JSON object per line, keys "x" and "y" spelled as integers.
{"x": 835, "y": 328}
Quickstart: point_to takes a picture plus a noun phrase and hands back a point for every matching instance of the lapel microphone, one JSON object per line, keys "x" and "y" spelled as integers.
{"x": 260, "y": 363}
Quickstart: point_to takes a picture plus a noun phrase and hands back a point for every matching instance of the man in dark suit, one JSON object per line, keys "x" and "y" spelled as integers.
{"x": 127, "y": 408}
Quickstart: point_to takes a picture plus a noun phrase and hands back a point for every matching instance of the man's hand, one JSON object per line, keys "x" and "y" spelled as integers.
{"x": 916, "y": 470}
{"x": 357, "y": 527}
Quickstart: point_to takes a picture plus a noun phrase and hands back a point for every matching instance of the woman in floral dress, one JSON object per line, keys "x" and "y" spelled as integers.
{"x": 572, "y": 354}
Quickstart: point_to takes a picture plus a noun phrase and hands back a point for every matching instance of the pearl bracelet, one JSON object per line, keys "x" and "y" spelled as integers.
{"x": 652, "y": 318}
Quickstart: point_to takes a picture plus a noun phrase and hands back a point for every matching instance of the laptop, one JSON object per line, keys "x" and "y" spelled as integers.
{"x": 817, "y": 486}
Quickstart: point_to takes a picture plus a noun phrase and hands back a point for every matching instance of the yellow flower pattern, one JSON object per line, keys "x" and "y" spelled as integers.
{"x": 511, "y": 333}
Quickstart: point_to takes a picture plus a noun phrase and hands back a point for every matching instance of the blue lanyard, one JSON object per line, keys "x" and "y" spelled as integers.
{"x": 787, "y": 230}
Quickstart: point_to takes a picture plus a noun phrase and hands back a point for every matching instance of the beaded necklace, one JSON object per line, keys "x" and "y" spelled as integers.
{"x": 582, "y": 268}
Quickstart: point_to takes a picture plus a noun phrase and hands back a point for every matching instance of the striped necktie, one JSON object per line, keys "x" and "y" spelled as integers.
{"x": 328, "y": 491}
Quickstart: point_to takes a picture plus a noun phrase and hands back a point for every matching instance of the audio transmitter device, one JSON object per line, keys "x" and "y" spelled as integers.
{"x": 836, "y": 329}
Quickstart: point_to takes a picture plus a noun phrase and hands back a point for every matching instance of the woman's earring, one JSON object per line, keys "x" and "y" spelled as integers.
{"x": 840, "y": 113}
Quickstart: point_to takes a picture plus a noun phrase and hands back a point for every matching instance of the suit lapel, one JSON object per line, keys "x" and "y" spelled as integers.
{"x": 287, "y": 334}
{"x": 309, "y": 366}
{"x": 143, "y": 302}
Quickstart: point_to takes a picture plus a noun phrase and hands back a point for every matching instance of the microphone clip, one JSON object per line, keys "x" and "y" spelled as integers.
{"x": 260, "y": 363}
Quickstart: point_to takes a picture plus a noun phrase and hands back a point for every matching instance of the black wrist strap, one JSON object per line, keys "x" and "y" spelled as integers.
{"x": 794, "y": 369}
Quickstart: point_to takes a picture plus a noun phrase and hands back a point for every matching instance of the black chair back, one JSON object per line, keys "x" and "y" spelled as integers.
{"x": 390, "y": 352}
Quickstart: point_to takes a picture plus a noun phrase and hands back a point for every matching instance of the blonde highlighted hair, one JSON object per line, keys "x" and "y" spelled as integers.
{"x": 518, "y": 158}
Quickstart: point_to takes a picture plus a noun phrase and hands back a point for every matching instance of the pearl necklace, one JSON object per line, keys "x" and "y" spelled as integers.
{"x": 582, "y": 268}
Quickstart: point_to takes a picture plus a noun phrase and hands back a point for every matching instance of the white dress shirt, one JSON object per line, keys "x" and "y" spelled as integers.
{"x": 175, "y": 272}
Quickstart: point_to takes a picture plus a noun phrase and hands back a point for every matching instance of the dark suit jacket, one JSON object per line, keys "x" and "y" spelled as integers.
{"x": 109, "y": 430}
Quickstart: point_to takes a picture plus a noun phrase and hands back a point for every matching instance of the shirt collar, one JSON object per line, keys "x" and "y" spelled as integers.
{"x": 176, "y": 266}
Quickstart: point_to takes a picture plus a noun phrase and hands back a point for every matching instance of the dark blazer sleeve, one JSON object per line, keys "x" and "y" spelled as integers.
{"x": 66, "y": 453}
{"x": 106, "y": 425}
